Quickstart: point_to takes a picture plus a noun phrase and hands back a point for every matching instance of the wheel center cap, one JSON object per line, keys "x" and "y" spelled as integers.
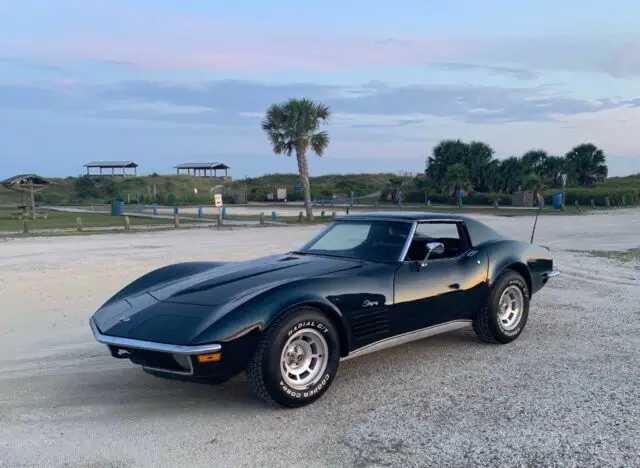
{"x": 295, "y": 354}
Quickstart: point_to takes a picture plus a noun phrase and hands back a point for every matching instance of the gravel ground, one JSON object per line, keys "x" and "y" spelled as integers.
{"x": 564, "y": 394}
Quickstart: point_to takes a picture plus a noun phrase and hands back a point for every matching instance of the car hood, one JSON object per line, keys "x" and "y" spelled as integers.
{"x": 172, "y": 310}
{"x": 229, "y": 281}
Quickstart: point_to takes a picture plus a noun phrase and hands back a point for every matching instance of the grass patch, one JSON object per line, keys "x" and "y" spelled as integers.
{"x": 292, "y": 210}
{"x": 58, "y": 220}
{"x": 629, "y": 255}
{"x": 485, "y": 210}
{"x": 509, "y": 212}
{"x": 279, "y": 219}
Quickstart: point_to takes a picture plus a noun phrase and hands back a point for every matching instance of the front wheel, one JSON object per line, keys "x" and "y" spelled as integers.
{"x": 505, "y": 314}
{"x": 297, "y": 360}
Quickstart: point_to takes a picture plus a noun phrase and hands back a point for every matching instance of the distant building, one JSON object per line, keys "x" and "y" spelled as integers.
{"x": 200, "y": 169}
{"x": 122, "y": 166}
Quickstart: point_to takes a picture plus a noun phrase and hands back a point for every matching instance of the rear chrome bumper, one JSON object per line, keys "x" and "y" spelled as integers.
{"x": 151, "y": 345}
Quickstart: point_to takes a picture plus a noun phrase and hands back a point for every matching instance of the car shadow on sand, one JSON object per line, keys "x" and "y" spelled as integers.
{"x": 130, "y": 391}
{"x": 127, "y": 390}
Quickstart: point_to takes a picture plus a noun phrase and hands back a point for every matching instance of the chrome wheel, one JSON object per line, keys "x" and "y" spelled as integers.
{"x": 304, "y": 359}
{"x": 511, "y": 306}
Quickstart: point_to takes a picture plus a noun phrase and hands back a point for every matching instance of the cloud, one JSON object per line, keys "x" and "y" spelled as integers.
{"x": 617, "y": 55}
{"x": 232, "y": 54}
{"x": 25, "y": 64}
{"x": 522, "y": 74}
{"x": 113, "y": 33}
{"x": 229, "y": 102}
{"x": 462, "y": 102}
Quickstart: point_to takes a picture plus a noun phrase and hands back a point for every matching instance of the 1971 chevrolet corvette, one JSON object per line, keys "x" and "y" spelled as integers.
{"x": 366, "y": 282}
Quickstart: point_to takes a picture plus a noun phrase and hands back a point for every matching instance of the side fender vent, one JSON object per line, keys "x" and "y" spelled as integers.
{"x": 369, "y": 325}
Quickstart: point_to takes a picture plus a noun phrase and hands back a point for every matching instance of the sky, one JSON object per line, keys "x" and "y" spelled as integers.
{"x": 163, "y": 82}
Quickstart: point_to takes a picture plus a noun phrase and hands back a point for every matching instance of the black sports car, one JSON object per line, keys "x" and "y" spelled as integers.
{"x": 365, "y": 282}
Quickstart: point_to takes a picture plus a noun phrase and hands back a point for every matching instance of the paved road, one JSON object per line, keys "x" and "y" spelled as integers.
{"x": 565, "y": 394}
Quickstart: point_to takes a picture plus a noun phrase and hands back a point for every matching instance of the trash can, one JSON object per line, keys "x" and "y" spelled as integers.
{"x": 117, "y": 207}
{"x": 557, "y": 200}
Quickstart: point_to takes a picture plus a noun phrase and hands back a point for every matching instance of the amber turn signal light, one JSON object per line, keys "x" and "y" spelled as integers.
{"x": 211, "y": 357}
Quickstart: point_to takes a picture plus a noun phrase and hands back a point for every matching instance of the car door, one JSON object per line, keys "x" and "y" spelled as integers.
{"x": 446, "y": 287}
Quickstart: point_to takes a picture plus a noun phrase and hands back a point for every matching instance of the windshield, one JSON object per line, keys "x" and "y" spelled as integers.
{"x": 366, "y": 240}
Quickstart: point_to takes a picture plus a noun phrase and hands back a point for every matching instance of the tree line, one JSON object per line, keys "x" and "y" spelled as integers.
{"x": 294, "y": 127}
{"x": 455, "y": 165}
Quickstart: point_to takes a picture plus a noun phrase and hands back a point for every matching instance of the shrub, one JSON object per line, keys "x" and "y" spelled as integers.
{"x": 630, "y": 196}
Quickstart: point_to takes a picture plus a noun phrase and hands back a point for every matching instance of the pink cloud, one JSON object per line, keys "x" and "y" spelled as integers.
{"x": 151, "y": 38}
{"x": 212, "y": 54}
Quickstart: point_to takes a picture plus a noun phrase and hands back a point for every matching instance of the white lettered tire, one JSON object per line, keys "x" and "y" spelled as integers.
{"x": 297, "y": 360}
{"x": 506, "y": 312}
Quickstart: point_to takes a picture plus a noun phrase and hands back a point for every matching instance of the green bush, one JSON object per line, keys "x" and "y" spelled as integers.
{"x": 630, "y": 196}
{"x": 474, "y": 198}
{"x": 478, "y": 198}
{"x": 173, "y": 189}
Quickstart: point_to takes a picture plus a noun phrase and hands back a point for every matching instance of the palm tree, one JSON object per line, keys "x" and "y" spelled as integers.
{"x": 534, "y": 161}
{"x": 293, "y": 126}
{"x": 588, "y": 163}
{"x": 511, "y": 174}
{"x": 552, "y": 169}
{"x": 479, "y": 155}
{"x": 456, "y": 179}
{"x": 533, "y": 181}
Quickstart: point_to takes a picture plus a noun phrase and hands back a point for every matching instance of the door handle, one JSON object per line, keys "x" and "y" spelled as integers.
{"x": 454, "y": 286}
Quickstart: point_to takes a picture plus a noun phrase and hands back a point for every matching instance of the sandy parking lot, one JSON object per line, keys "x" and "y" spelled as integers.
{"x": 565, "y": 393}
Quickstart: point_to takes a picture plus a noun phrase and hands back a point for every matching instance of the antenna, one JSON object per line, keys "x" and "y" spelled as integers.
{"x": 534, "y": 224}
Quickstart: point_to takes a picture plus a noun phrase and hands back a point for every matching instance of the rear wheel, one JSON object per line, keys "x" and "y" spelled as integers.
{"x": 505, "y": 315}
{"x": 297, "y": 360}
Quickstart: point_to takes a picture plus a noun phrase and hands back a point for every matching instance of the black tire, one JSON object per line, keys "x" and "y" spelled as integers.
{"x": 264, "y": 369}
{"x": 487, "y": 324}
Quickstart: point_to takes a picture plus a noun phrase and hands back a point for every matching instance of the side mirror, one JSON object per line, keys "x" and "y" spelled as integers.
{"x": 432, "y": 247}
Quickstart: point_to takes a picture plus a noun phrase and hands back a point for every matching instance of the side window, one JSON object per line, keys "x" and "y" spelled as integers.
{"x": 481, "y": 233}
{"x": 446, "y": 233}
{"x": 438, "y": 230}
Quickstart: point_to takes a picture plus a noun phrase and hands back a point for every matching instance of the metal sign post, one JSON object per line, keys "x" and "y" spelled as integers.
{"x": 217, "y": 201}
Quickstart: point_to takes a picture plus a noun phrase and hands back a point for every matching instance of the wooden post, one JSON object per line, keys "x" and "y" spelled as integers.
{"x": 33, "y": 203}
{"x": 300, "y": 217}
{"x": 25, "y": 226}
{"x": 79, "y": 224}
{"x": 333, "y": 214}
{"x": 127, "y": 224}
{"x": 261, "y": 218}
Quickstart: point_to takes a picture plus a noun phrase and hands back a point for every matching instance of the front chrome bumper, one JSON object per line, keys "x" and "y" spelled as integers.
{"x": 551, "y": 274}
{"x": 151, "y": 345}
